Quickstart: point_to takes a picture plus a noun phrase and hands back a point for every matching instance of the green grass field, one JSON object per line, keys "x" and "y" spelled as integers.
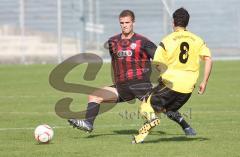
{"x": 27, "y": 100}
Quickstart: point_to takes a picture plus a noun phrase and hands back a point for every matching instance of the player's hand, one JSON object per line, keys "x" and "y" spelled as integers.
{"x": 202, "y": 87}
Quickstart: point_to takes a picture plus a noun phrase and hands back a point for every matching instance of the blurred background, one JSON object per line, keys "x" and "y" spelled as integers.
{"x": 40, "y": 31}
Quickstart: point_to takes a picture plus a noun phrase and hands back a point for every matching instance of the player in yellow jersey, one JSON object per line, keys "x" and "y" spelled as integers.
{"x": 178, "y": 59}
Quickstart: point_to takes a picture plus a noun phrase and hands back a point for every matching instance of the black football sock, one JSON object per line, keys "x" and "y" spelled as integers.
{"x": 176, "y": 116}
{"x": 183, "y": 124}
{"x": 92, "y": 112}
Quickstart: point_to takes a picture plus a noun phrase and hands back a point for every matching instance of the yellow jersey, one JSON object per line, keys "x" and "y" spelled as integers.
{"x": 178, "y": 57}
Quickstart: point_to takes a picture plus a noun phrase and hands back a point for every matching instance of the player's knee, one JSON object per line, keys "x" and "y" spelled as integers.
{"x": 156, "y": 103}
{"x": 147, "y": 111}
{"x": 94, "y": 98}
{"x": 176, "y": 116}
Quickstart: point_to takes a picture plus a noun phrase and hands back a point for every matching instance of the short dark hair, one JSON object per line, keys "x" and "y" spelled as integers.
{"x": 181, "y": 17}
{"x": 125, "y": 13}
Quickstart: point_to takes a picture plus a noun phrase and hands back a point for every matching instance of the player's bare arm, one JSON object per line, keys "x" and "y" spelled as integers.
{"x": 207, "y": 72}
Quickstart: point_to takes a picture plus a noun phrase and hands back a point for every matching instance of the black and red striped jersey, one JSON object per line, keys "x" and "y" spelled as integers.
{"x": 131, "y": 57}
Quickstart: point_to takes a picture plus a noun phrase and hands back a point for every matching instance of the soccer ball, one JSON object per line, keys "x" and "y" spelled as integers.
{"x": 43, "y": 133}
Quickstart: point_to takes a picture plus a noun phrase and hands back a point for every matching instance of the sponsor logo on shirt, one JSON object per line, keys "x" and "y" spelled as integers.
{"x": 125, "y": 53}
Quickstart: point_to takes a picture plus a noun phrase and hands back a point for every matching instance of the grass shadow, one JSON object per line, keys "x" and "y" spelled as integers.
{"x": 43, "y": 144}
{"x": 115, "y": 132}
{"x": 128, "y": 132}
{"x": 132, "y": 131}
{"x": 177, "y": 139}
{"x": 164, "y": 133}
{"x": 98, "y": 135}
{"x": 161, "y": 134}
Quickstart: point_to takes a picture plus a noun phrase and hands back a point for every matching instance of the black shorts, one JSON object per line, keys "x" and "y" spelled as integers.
{"x": 163, "y": 97}
{"x": 132, "y": 89}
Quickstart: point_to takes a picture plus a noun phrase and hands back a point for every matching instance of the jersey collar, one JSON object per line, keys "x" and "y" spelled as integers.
{"x": 132, "y": 37}
{"x": 178, "y": 29}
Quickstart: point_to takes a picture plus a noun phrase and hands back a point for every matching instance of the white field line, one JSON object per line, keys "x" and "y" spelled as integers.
{"x": 54, "y": 113}
{"x": 64, "y": 127}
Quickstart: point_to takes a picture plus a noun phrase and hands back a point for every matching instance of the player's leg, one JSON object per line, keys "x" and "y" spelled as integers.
{"x": 172, "y": 101}
{"x": 177, "y": 117}
{"x": 105, "y": 94}
{"x": 160, "y": 97}
{"x": 173, "y": 114}
{"x": 148, "y": 113}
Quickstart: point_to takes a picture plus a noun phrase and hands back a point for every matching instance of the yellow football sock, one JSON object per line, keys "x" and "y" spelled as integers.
{"x": 146, "y": 110}
{"x": 144, "y": 130}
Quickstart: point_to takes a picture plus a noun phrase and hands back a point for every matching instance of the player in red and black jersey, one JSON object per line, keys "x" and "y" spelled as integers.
{"x": 130, "y": 57}
{"x": 131, "y": 54}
